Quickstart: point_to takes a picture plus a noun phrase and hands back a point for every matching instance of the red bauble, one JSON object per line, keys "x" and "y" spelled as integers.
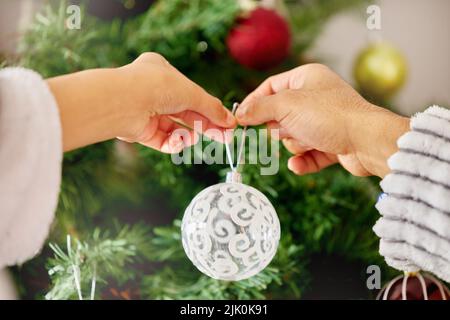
{"x": 414, "y": 289}
{"x": 260, "y": 40}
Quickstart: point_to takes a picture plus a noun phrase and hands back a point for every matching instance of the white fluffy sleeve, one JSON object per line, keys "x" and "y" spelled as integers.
{"x": 30, "y": 163}
{"x": 415, "y": 208}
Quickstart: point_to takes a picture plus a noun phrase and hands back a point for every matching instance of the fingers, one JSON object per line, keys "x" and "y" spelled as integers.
{"x": 276, "y": 131}
{"x": 269, "y": 100}
{"x": 265, "y": 109}
{"x": 178, "y": 93}
{"x": 200, "y": 124}
{"x": 165, "y": 135}
{"x": 294, "y": 146}
{"x": 192, "y": 97}
{"x": 266, "y": 88}
{"x": 212, "y": 109}
{"x": 292, "y": 79}
{"x": 171, "y": 142}
{"x": 310, "y": 162}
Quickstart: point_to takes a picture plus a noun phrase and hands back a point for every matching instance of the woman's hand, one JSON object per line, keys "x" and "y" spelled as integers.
{"x": 138, "y": 103}
{"x": 323, "y": 120}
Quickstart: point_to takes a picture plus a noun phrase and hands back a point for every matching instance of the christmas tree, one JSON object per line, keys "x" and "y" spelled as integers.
{"x": 109, "y": 187}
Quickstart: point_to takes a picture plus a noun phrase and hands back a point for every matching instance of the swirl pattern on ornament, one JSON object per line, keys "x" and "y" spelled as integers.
{"x": 230, "y": 231}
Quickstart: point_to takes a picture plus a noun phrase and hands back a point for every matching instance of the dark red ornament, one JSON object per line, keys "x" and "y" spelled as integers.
{"x": 414, "y": 287}
{"x": 260, "y": 40}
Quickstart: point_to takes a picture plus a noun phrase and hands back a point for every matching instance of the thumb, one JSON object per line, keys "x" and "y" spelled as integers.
{"x": 265, "y": 109}
{"x": 194, "y": 98}
{"x": 212, "y": 108}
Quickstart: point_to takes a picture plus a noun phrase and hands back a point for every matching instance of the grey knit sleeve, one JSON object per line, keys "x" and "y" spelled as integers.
{"x": 415, "y": 208}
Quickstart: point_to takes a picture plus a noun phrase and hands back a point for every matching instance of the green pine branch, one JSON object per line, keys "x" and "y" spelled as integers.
{"x": 100, "y": 258}
{"x": 52, "y": 49}
{"x": 183, "y": 31}
{"x": 179, "y": 279}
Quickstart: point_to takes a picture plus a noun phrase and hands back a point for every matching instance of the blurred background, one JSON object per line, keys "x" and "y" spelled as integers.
{"x": 417, "y": 27}
{"x": 122, "y": 203}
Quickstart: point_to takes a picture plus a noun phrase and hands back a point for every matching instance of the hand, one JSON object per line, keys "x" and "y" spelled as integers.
{"x": 323, "y": 120}
{"x": 138, "y": 103}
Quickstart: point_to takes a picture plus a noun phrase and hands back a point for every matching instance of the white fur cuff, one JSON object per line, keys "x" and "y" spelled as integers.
{"x": 30, "y": 163}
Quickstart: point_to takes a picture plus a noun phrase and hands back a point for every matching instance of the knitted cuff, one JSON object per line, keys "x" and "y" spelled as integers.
{"x": 415, "y": 223}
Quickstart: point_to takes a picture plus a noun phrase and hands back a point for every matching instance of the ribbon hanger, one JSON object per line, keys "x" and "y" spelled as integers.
{"x": 234, "y": 168}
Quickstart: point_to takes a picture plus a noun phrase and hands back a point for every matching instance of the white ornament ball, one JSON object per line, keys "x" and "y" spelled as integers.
{"x": 230, "y": 231}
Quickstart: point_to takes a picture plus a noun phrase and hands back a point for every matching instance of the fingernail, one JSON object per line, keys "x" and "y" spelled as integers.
{"x": 291, "y": 166}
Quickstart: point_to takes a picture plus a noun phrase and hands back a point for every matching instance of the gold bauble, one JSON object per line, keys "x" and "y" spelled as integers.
{"x": 380, "y": 71}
